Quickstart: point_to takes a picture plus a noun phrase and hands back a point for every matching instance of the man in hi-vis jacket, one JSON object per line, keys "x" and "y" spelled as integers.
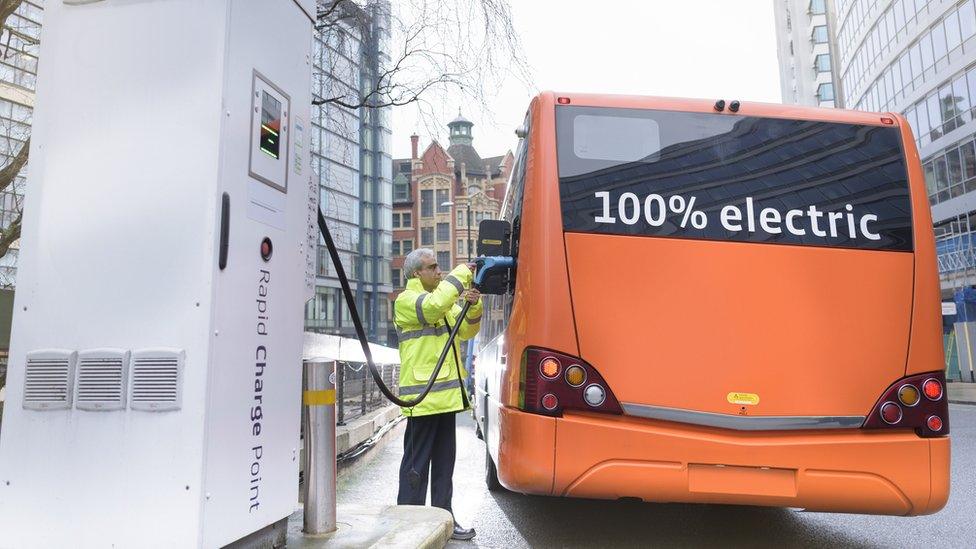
{"x": 424, "y": 314}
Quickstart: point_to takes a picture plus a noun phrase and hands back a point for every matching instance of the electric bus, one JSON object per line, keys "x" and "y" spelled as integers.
{"x": 716, "y": 303}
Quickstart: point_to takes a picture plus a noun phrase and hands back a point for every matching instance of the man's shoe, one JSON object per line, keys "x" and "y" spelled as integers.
{"x": 462, "y": 533}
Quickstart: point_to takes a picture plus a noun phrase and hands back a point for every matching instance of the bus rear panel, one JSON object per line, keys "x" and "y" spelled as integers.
{"x": 731, "y": 308}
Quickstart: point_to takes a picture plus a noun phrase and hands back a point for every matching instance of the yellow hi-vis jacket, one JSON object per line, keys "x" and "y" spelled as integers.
{"x": 421, "y": 321}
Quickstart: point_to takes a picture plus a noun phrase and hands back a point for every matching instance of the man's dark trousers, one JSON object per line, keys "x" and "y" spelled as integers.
{"x": 429, "y": 446}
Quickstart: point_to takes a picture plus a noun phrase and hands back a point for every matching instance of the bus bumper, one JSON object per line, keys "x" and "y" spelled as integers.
{"x": 609, "y": 457}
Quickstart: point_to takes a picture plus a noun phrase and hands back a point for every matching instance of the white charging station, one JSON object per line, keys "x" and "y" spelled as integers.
{"x": 154, "y": 382}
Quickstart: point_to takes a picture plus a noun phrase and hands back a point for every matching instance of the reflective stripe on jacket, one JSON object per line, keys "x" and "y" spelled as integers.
{"x": 421, "y": 320}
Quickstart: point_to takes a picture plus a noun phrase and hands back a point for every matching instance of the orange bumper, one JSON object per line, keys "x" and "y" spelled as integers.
{"x": 609, "y": 457}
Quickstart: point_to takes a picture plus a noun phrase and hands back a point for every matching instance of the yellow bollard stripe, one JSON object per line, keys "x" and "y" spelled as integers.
{"x": 319, "y": 398}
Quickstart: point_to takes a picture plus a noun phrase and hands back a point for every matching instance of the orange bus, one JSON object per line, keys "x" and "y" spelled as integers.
{"x": 716, "y": 303}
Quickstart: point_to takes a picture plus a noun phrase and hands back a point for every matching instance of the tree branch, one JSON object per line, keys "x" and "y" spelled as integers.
{"x": 10, "y": 171}
{"x": 10, "y": 235}
{"x": 7, "y": 7}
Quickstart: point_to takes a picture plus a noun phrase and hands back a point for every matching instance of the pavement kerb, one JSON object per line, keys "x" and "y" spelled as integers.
{"x": 363, "y": 428}
{"x": 360, "y": 526}
{"x": 358, "y": 431}
{"x": 961, "y": 393}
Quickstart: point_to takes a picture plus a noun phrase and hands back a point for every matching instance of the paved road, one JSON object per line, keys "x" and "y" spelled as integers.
{"x": 514, "y": 520}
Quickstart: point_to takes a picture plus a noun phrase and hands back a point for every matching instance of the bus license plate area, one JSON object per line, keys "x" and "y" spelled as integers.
{"x": 733, "y": 479}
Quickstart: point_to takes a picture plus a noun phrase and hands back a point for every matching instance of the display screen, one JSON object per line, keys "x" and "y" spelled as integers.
{"x": 270, "y": 124}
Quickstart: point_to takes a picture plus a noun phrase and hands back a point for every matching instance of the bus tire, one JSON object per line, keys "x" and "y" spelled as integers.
{"x": 491, "y": 473}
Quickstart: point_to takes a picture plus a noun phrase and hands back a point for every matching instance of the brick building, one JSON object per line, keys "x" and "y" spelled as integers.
{"x": 436, "y": 193}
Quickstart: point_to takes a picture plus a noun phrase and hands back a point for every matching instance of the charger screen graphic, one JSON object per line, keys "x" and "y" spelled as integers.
{"x": 270, "y": 125}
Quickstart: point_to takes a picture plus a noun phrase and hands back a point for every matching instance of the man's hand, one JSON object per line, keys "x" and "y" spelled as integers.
{"x": 473, "y": 267}
{"x": 472, "y": 296}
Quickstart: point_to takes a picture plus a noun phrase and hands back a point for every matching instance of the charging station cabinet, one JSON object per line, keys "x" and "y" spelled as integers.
{"x": 168, "y": 248}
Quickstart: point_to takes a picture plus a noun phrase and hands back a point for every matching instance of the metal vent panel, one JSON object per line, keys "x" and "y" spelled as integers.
{"x": 49, "y": 379}
{"x": 102, "y": 376}
{"x": 157, "y": 380}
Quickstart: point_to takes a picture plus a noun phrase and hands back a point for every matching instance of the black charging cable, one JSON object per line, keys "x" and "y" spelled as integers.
{"x": 361, "y": 334}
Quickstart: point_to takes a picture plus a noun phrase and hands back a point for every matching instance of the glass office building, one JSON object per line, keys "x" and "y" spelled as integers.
{"x": 918, "y": 57}
{"x": 351, "y": 158}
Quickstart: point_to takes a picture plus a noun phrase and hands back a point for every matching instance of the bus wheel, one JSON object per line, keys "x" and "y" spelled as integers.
{"x": 491, "y": 473}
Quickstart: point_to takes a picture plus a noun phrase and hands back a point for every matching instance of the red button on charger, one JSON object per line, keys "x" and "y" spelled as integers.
{"x": 266, "y": 249}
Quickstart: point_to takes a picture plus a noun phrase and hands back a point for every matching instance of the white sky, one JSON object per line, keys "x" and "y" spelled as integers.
{"x": 680, "y": 48}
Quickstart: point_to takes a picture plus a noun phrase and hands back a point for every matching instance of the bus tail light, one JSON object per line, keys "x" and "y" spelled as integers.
{"x": 580, "y": 387}
{"x": 932, "y": 389}
{"x": 901, "y": 406}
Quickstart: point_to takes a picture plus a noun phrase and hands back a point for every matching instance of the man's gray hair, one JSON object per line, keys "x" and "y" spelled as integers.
{"x": 414, "y": 261}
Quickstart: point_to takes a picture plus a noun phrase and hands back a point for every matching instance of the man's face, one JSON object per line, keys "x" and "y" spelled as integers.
{"x": 429, "y": 273}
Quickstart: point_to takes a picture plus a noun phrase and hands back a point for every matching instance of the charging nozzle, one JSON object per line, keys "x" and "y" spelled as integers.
{"x": 487, "y": 264}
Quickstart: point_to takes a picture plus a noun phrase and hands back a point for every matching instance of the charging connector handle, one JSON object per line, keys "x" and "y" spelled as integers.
{"x": 487, "y": 264}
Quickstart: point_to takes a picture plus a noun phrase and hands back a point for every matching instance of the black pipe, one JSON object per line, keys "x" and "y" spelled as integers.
{"x": 361, "y": 334}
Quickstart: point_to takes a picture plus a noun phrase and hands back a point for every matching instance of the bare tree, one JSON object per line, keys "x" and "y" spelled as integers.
{"x": 438, "y": 53}
{"x": 10, "y": 171}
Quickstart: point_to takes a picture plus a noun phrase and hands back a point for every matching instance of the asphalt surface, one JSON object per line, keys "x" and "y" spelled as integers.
{"x": 513, "y": 520}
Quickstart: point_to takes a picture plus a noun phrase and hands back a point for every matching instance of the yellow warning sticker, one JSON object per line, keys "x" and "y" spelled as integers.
{"x": 325, "y": 397}
{"x": 743, "y": 398}
{"x": 490, "y": 241}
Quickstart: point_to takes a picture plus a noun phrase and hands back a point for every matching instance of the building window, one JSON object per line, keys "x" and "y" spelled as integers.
{"x": 396, "y": 277}
{"x": 444, "y": 261}
{"x": 427, "y": 203}
{"x": 460, "y": 247}
{"x": 396, "y": 247}
{"x": 443, "y": 232}
{"x": 823, "y": 62}
{"x": 401, "y": 192}
{"x": 396, "y": 221}
{"x": 818, "y": 7}
{"x": 460, "y": 217}
{"x": 426, "y": 236}
{"x": 825, "y": 92}
{"x": 820, "y": 34}
{"x": 407, "y": 247}
{"x": 405, "y": 219}
{"x": 443, "y": 197}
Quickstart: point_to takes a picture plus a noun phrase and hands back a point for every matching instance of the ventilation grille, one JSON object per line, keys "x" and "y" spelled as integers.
{"x": 156, "y": 381}
{"x": 101, "y": 380}
{"x": 48, "y": 380}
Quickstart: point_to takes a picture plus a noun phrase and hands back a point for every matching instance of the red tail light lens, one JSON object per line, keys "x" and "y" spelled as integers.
{"x": 890, "y": 413}
{"x": 929, "y": 416}
{"x": 932, "y": 389}
{"x": 549, "y": 367}
{"x": 544, "y": 391}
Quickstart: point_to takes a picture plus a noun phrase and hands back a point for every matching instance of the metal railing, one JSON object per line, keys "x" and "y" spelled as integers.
{"x": 357, "y": 393}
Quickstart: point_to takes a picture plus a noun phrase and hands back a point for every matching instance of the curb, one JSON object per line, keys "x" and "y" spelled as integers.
{"x": 363, "y": 428}
{"x": 961, "y": 393}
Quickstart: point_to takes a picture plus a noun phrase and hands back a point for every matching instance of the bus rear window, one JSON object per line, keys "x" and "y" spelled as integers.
{"x": 729, "y": 177}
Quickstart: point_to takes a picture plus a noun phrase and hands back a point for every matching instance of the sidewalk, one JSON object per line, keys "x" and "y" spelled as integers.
{"x": 364, "y": 524}
{"x": 400, "y": 526}
{"x": 961, "y": 393}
